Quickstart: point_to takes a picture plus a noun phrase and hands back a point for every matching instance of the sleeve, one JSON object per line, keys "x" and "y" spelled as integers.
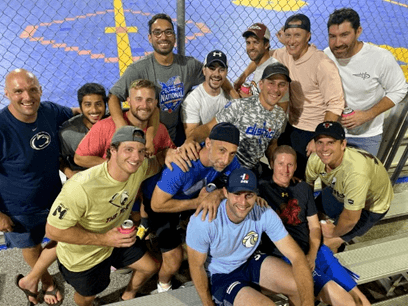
{"x": 198, "y": 234}
{"x": 230, "y": 112}
{"x": 95, "y": 141}
{"x": 392, "y": 79}
{"x": 162, "y": 140}
{"x": 356, "y": 188}
{"x": 65, "y": 147}
{"x": 274, "y": 227}
{"x": 172, "y": 181}
{"x": 198, "y": 72}
{"x": 153, "y": 167}
{"x": 121, "y": 87}
{"x": 311, "y": 169}
{"x": 69, "y": 206}
{"x": 62, "y": 113}
{"x": 330, "y": 86}
{"x": 190, "y": 109}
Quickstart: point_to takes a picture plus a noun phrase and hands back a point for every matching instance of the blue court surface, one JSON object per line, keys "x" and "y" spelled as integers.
{"x": 69, "y": 43}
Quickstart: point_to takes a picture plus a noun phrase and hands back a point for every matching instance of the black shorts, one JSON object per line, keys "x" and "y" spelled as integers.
{"x": 367, "y": 220}
{"x": 96, "y": 279}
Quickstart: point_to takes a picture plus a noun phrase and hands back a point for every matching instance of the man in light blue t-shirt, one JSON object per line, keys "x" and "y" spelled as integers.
{"x": 224, "y": 248}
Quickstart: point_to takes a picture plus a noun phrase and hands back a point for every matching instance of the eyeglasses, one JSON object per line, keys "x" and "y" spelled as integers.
{"x": 158, "y": 33}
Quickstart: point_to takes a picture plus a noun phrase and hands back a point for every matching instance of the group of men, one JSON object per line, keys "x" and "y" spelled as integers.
{"x": 220, "y": 141}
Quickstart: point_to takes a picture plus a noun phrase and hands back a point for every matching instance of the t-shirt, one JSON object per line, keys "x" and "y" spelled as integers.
{"x": 99, "y": 137}
{"x": 293, "y": 205}
{"x": 367, "y": 77}
{"x": 71, "y": 134}
{"x": 258, "y": 75}
{"x": 257, "y": 125}
{"x": 315, "y": 88}
{"x": 200, "y": 107}
{"x": 98, "y": 203}
{"x": 227, "y": 244}
{"x": 29, "y": 160}
{"x": 360, "y": 181}
{"x": 173, "y": 82}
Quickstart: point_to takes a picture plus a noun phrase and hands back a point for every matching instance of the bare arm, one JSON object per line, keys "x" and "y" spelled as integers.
{"x": 189, "y": 127}
{"x": 76, "y": 110}
{"x": 116, "y": 111}
{"x": 315, "y": 235}
{"x": 301, "y": 271}
{"x": 331, "y": 116}
{"x": 152, "y": 128}
{"x": 250, "y": 69}
{"x": 273, "y": 144}
{"x": 78, "y": 235}
{"x": 347, "y": 220}
{"x": 88, "y": 161}
{"x": 227, "y": 87}
{"x": 6, "y": 225}
{"x": 163, "y": 202}
{"x": 196, "y": 261}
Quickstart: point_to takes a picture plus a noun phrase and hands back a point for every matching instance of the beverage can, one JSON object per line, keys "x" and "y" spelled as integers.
{"x": 127, "y": 227}
{"x": 347, "y": 112}
{"x": 210, "y": 187}
{"x": 246, "y": 88}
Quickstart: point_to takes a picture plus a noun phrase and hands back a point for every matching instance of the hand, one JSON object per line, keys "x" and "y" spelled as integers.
{"x": 237, "y": 84}
{"x": 208, "y": 203}
{"x": 175, "y": 156}
{"x": 190, "y": 150}
{"x": 114, "y": 238}
{"x": 327, "y": 228}
{"x": 311, "y": 147}
{"x": 243, "y": 94}
{"x": 358, "y": 118}
{"x": 296, "y": 179}
{"x": 6, "y": 225}
{"x": 281, "y": 36}
{"x": 149, "y": 149}
{"x": 261, "y": 202}
{"x": 311, "y": 260}
{"x": 70, "y": 173}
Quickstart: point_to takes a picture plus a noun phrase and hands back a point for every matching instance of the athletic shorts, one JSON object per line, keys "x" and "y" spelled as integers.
{"x": 225, "y": 287}
{"x": 28, "y": 230}
{"x": 96, "y": 279}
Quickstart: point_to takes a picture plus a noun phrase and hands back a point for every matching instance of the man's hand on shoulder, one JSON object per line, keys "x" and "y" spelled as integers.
{"x": 208, "y": 203}
{"x": 6, "y": 224}
{"x": 175, "y": 156}
{"x": 190, "y": 150}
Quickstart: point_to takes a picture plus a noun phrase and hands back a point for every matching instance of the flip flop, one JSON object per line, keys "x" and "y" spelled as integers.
{"x": 27, "y": 292}
{"x": 54, "y": 294}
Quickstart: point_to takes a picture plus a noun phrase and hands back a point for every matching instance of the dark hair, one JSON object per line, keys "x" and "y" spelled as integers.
{"x": 108, "y": 150}
{"x": 159, "y": 16}
{"x": 91, "y": 89}
{"x": 265, "y": 40}
{"x": 283, "y": 149}
{"x": 342, "y": 15}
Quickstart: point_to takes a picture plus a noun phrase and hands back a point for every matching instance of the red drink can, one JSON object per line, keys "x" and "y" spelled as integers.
{"x": 347, "y": 112}
{"x": 246, "y": 88}
{"x": 127, "y": 227}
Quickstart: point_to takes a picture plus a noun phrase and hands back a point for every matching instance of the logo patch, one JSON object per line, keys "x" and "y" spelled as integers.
{"x": 171, "y": 94}
{"x": 40, "y": 141}
{"x": 350, "y": 201}
{"x": 363, "y": 75}
{"x": 250, "y": 239}
{"x": 61, "y": 210}
{"x": 244, "y": 178}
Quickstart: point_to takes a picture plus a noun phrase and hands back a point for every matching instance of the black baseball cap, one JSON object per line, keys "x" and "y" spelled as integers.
{"x": 330, "y": 128}
{"x": 216, "y": 56}
{"x": 242, "y": 179}
{"x": 276, "y": 68}
{"x": 304, "y": 22}
{"x": 225, "y": 131}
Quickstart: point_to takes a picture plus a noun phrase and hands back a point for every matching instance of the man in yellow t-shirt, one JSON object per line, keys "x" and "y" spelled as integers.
{"x": 358, "y": 185}
{"x": 86, "y": 216}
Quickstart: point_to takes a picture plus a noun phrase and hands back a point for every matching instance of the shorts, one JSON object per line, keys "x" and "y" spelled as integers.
{"x": 328, "y": 268}
{"x": 28, "y": 231}
{"x": 165, "y": 225}
{"x": 96, "y": 279}
{"x": 225, "y": 287}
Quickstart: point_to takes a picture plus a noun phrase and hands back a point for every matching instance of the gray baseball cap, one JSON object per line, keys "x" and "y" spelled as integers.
{"x": 129, "y": 133}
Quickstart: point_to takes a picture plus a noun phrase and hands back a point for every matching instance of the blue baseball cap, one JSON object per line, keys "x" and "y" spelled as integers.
{"x": 242, "y": 179}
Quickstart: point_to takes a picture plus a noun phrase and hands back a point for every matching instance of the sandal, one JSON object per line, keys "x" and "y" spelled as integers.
{"x": 54, "y": 294}
{"x": 27, "y": 292}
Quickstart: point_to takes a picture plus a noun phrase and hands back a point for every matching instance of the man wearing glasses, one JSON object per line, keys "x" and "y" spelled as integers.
{"x": 174, "y": 75}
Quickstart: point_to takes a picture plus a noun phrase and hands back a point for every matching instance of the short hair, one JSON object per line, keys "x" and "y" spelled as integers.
{"x": 342, "y": 15}
{"x": 265, "y": 40}
{"x": 91, "y": 89}
{"x": 142, "y": 83}
{"x": 108, "y": 150}
{"x": 283, "y": 149}
{"x": 159, "y": 16}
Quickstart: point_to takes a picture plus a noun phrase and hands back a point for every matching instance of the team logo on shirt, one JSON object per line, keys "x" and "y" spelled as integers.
{"x": 289, "y": 212}
{"x": 120, "y": 200}
{"x": 363, "y": 75}
{"x": 250, "y": 239}
{"x": 260, "y": 131}
{"x": 61, "y": 210}
{"x": 40, "y": 141}
{"x": 171, "y": 94}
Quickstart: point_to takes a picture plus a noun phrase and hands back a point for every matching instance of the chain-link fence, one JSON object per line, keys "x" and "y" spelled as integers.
{"x": 68, "y": 43}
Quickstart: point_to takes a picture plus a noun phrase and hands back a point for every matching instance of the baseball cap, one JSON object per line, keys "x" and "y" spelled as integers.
{"x": 225, "y": 131}
{"x": 129, "y": 133}
{"x": 216, "y": 56}
{"x": 242, "y": 179}
{"x": 304, "y": 22}
{"x": 259, "y": 29}
{"x": 276, "y": 68}
{"x": 330, "y": 128}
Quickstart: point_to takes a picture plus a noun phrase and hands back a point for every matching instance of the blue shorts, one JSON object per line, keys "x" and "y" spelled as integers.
{"x": 328, "y": 268}
{"x": 28, "y": 230}
{"x": 225, "y": 287}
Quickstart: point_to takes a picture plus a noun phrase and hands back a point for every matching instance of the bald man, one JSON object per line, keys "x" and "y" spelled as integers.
{"x": 29, "y": 163}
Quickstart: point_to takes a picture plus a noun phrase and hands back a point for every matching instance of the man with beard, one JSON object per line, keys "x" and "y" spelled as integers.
{"x": 257, "y": 39}
{"x": 92, "y": 149}
{"x": 205, "y": 101}
{"x": 372, "y": 80}
{"x": 173, "y": 75}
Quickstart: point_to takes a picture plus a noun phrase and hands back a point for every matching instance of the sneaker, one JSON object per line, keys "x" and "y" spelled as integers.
{"x": 160, "y": 289}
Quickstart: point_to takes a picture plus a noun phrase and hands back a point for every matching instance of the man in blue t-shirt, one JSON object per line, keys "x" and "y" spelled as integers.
{"x": 177, "y": 191}
{"x": 29, "y": 164}
{"x": 225, "y": 247}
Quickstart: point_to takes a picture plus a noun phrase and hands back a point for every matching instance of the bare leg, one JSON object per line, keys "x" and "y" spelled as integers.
{"x": 249, "y": 296}
{"x": 359, "y": 297}
{"x": 333, "y": 243}
{"x": 171, "y": 263}
{"x": 144, "y": 268}
{"x": 333, "y": 294}
{"x": 81, "y": 300}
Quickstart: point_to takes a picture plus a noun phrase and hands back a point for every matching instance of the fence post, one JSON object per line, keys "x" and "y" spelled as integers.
{"x": 181, "y": 27}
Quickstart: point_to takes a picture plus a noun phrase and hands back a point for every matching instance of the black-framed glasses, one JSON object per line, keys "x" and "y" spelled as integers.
{"x": 167, "y": 32}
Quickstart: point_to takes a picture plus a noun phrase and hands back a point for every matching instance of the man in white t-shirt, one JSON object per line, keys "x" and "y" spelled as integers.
{"x": 205, "y": 101}
{"x": 372, "y": 80}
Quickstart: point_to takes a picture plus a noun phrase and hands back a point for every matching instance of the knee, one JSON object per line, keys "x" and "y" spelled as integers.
{"x": 173, "y": 258}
